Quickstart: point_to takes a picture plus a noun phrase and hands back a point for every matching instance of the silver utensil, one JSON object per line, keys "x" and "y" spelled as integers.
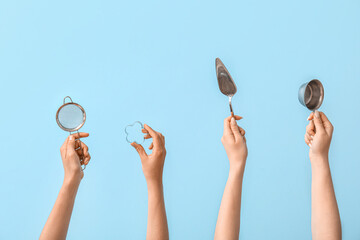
{"x": 71, "y": 117}
{"x": 311, "y": 94}
{"x": 226, "y": 83}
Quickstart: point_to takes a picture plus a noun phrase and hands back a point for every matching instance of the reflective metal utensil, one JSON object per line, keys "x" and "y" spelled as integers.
{"x": 71, "y": 117}
{"x": 311, "y": 94}
{"x": 226, "y": 83}
{"x": 132, "y": 136}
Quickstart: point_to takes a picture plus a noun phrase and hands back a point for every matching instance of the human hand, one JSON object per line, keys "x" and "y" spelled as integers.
{"x": 234, "y": 142}
{"x": 152, "y": 164}
{"x": 318, "y": 135}
{"x": 71, "y": 153}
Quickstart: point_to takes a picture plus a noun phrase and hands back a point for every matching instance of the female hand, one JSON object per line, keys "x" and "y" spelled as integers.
{"x": 71, "y": 153}
{"x": 318, "y": 135}
{"x": 152, "y": 164}
{"x": 234, "y": 142}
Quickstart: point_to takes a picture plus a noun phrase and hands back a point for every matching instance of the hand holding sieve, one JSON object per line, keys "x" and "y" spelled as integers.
{"x": 71, "y": 117}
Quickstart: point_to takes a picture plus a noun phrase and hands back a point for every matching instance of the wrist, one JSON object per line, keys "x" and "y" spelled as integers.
{"x": 71, "y": 180}
{"x": 320, "y": 163}
{"x": 154, "y": 181}
{"x": 154, "y": 185}
{"x": 237, "y": 171}
{"x": 237, "y": 164}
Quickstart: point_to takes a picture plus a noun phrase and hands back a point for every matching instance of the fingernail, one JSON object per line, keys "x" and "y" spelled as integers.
{"x": 317, "y": 115}
{"x": 310, "y": 145}
{"x": 71, "y": 138}
{"x": 233, "y": 121}
{"x": 312, "y": 137}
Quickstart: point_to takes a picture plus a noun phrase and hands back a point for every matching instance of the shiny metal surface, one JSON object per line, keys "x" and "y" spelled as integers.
{"x": 226, "y": 83}
{"x": 311, "y": 94}
{"x": 74, "y": 129}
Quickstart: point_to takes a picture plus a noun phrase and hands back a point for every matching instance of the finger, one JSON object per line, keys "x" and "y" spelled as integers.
{"x": 307, "y": 140}
{"x": 155, "y": 135}
{"x": 147, "y": 136}
{"x": 327, "y": 124}
{"x": 227, "y": 120}
{"x": 308, "y": 136}
{"x": 70, "y": 146}
{"x": 144, "y": 130}
{"x": 139, "y": 149}
{"x": 87, "y": 159}
{"x": 319, "y": 127}
{"x": 227, "y": 128}
{"x": 71, "y": 142}
{"x": 78, "y": 143}
{"x": 311, "y": 116}
{"x": 162, "y": 138}
{"x": 310, "y": 128}
{"x": 82, "y": 149}
{"x": 235, "y": 129}
{"x": 242, "y": 131}
{"x": 151, "y": 146}
{"x": 80, "y": 135}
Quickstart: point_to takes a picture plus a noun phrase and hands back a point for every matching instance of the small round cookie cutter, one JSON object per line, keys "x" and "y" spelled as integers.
{"x": 127, "y": 132}
{"x": 71, "y": 117}
{"x": 311, "y": 94}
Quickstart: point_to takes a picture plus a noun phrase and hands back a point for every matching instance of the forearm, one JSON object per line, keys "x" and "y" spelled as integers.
{"x": 56, "y": 226}
{"x": 157, "y": 228}
{"x": 325, "y": 218}
{"x": 228, "y": 223}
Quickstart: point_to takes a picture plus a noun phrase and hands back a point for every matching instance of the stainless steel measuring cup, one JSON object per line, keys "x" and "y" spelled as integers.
{"x": 311, "y": 94}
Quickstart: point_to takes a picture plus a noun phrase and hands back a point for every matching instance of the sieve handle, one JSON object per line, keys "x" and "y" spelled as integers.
{"x": 83, "y": 166}
{"x": 68, "y": 98}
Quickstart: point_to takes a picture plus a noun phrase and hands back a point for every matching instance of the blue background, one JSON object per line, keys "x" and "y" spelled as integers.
{"x": 153, "y": 61}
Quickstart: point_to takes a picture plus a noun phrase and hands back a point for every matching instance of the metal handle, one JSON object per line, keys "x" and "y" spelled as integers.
{"x": 231, "y": 109}
{"x": 81, "y": 157}
{"x": 66, "y": 98}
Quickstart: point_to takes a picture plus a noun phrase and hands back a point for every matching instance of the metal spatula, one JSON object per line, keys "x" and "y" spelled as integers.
{"x": 226, "y": 83}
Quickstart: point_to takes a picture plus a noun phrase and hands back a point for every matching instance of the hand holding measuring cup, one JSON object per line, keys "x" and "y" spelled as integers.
{"x": 318, "y": 135}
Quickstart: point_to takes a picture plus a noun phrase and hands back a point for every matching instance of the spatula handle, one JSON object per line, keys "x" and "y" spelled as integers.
{"x": 231, "y": 110}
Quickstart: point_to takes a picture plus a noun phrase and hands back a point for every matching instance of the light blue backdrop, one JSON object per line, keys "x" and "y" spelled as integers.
{"x": 153, "y": 61}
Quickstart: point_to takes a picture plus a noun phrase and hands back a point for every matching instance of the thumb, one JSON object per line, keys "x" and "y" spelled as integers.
{"x": 319, "y": 127}
{"x": 139, "y": 148}
{"x": 235, "y": 129}
{"x": 70, "y": 146}
{"x": 71, "y": 142}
